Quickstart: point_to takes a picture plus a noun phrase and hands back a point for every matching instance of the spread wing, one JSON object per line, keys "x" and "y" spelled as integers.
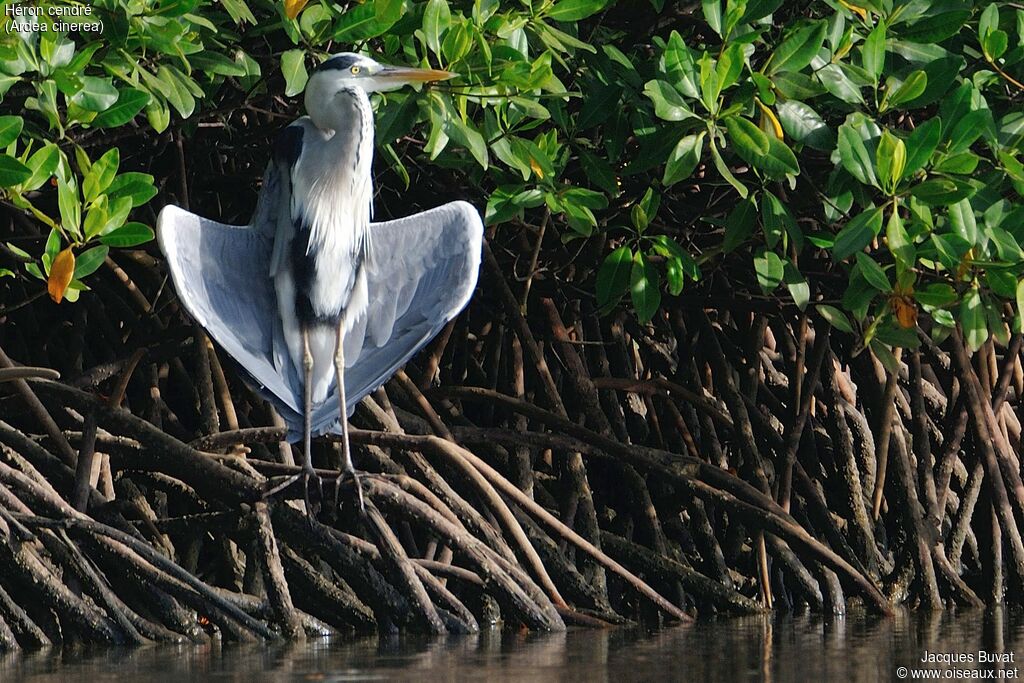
{"x": 221, "y": 274}
{"x": 421, "y": 273}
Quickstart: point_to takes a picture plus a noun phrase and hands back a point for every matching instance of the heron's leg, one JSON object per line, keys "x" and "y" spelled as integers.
{"x": 339, "y": 370}
{"x": 308, "y": 474}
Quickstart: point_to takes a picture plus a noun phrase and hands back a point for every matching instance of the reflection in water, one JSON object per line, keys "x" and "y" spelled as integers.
{"x": 858, "y": 648}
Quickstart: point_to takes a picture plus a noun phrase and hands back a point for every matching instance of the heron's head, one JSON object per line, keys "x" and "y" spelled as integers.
{"x": 346, "y": 69}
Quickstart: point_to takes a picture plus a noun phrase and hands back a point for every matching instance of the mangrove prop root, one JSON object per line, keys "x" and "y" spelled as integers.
{"x": 567, "y": 467}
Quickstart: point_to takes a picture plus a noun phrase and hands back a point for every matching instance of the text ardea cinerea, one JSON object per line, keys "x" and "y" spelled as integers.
{"x": 319, "y": 305}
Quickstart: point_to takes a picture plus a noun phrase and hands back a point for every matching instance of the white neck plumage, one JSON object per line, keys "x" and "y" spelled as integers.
{"x": 341, "y": 188}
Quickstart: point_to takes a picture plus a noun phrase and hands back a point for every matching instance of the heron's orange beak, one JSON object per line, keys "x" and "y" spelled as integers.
{"x": 403, "y": 74}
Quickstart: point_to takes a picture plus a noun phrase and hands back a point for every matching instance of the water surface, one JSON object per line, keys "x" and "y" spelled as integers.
{"x": 778, "y": 649}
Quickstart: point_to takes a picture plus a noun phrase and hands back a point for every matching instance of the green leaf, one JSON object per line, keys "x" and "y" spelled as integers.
{"x": 436, "y": 20}
{"x": 934, "y": 28}
{"x": 293, "y": 66}
{"x": 158, "y": 114}
{"x": 890, "y": 160}
{"x": 805, "y": 125}
{"x": 968, "y": 129}
{"x": 599, "y": 172}
{"x": 899, "y": 242}
{"x": 360, "y": 22}
{"x": 138, "y": 186}
{"x": 669, "y": 105}
{"x": 972, "y": 318}
{"x": 910, "y": 89}
{"x": 797, "y": 285}
{"x": 961, "y": 217}
{"x": 713, "y": 14}
{"x": 176, "y": 87}
{"x": 770, "y": 270}
{"x": 777, "y": 219}
{"x": 128, "y": 235}
{"x": 1005, "y": 243}
{"x": 853, "y": 154}
{"x": 797, "y": 86}
{"x": 52, "y": 247}
{"x": 12, "y": 171}
{"x": 749, "y": 141}
{"x": 42, "y": 163}
{"x": 936, "y": 295}
{"x": 963, "y": 163}
{"x": 55, "y": 49}
{"x": 941, "y": 191}
{"x": 1001, "y": 282}
{"x": 388, "y": 10}
{"x": 885, "y": 356}
{"x": 779, "y": 161}
{"x": 739, "y": 226}
{"x": 644, "y": 289}
{"x": 587, "y": 198}
{"x": 129, "y": 103}
{"x": 469, "y": 137}
{"x": 638, "y": 217}
{"x": 710, "y": 86}
{"x": 97, "y": 94}
{"x": 989, "y": 20}
{"x": 683, "y": 159}
{"x": 678, "y": 64}
{"x": 995, "y": 44}
{"x": 95, "y": 218}
{"x": 10, "y": 129}
{"x": 1020, "y": 296}
{"x": 873, "y": 52}
{"x": 101, "y": 174}
{"x": 798, "y": 49}
{"x": 857, "y": 234}
{"x": 117, "y": 212}
{"x": 68, "y": 200}
{"x": 921, "y": 145}
{"x": 873, "y": 272}
{"x": 674, "y": 276}
{"x": 613, "y": 276}
{"x": 574, "y": 10}
{"x": 724, "y": 171}
{"x": 892, "y": 334}
{"x": 835, "y": 317}
{"x": 214, "y": 63}
{"x": 950, "y": 249}
{"x": 89, "y": 260}
{"x": 839, "y": 84}
{"x": 730, "y": 66}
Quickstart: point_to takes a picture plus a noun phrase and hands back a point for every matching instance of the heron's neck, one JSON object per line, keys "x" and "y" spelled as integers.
{"x": 348, "y": 114}
{"x": 341, "y": 188}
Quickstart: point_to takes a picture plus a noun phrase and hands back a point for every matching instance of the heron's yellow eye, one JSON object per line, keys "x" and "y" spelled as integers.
{"x": 354, "y": 70}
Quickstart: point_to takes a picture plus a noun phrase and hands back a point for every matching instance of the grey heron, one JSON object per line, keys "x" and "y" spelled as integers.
{"x": 318, "y": 304}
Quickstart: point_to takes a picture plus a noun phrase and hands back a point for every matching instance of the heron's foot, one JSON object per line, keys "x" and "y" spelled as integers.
{"x": 312, "y": 490}
{"x": 350, "y": 472}
{"x": 312, "y": 493}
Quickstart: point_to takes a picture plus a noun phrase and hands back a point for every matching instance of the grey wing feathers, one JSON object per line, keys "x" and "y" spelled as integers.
{"x": 220, "y": 274}
{"x": 421, "y": 273}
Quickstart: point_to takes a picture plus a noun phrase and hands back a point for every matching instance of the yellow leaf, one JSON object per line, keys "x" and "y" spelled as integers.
{"x": 61, "y": 272}
{"x": 860, "y": 11}
{"x": 767, "y": 113}
{"x": 293, "y": 7}
{"x": 536, "y": 168}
